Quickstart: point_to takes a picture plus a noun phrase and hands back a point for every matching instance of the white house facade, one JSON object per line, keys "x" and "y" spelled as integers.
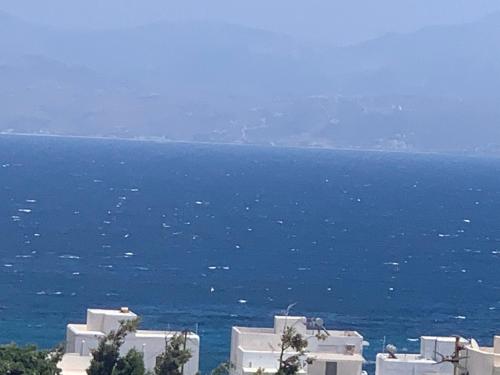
{"x": 481, "y": 360}
{"x": 82, "y": 338}
{"x": 258, "y": 349}
{"x": 428, "y": 362}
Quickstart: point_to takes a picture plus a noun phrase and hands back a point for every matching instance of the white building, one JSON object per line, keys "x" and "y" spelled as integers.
{"x": 258, "y": 349}
{"x": 478, "y": 360}
{"x": 82, "y": 338}
{"x": 428, "y": 362}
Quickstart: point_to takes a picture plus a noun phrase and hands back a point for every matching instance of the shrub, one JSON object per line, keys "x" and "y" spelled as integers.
{"x": 105, "y": 357}
{"x": 131, "y": 364}
{"x": 175, "y": 356}
{"x": 28, "y": 360}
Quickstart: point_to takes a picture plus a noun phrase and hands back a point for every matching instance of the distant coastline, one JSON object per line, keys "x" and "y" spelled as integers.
{"x": 162, "y": 140}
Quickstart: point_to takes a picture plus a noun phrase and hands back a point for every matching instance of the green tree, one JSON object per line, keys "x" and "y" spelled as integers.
{"x": 107, "y": 353}
{"x": 28, "y": 360}
{"x": 291, "y": 340}
{"x": 131, "y": 364}
{"x": 222, "y": 369}
{"x": 175, "y": 356}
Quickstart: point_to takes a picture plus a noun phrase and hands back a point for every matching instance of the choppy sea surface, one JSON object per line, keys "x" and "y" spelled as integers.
{"x": 205, "y": 236}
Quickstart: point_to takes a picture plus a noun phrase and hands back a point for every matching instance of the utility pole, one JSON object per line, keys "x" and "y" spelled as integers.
{"x": 185, "y": 333}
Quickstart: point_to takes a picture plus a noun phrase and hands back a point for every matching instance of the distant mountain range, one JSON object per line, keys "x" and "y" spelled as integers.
{"x": 432, "y": 90}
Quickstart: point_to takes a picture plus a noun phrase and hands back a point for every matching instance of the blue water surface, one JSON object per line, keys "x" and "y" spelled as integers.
{"x": 389, "y": 244}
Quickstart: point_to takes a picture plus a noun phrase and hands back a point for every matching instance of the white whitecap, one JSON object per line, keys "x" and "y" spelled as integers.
{"x": 69, "y": 256}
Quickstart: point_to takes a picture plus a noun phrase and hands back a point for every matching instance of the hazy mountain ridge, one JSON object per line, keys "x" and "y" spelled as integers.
{"x": 450, "y": 59}
{"x": 213, "y": 82}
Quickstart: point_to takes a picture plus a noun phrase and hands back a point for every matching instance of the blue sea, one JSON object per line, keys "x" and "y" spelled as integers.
{"x": 206, "y": 237}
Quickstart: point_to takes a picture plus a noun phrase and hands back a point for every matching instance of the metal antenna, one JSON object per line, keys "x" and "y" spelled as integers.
{"x": 455, "y": 358}
{"x": 185, "y": 334}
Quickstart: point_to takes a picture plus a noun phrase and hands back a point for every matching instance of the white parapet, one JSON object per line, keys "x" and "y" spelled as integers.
{"x": 428, "y": 362}
{"x": 74, "y": 364}
{"x": 258, "y": 349}
{"x": 107, "y": 320}
{"x": 82, "y": 338}
{"x": 482, "y": 360}
{"x": 410, "y": 364}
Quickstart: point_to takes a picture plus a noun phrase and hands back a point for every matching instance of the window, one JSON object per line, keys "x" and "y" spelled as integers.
{"x": 331, "y": 368}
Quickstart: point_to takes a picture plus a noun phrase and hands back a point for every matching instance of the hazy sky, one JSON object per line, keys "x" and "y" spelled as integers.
{"x": 336, "y": 21}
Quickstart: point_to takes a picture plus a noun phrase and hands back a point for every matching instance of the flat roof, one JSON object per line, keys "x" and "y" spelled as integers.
{"x": 254, "y": 330}
{"x": 82, "y": 328}
{"x": 337, "y": 357}
{"x": 147, "y": 333}
{"x": 112, "y": 312}
{"x": 266, "y": 370}
{"x": 72, "y": 364}
{"x": 332, "y": 333}
{"x": 440, "y": 338}
{"x": 405, "y": 358}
